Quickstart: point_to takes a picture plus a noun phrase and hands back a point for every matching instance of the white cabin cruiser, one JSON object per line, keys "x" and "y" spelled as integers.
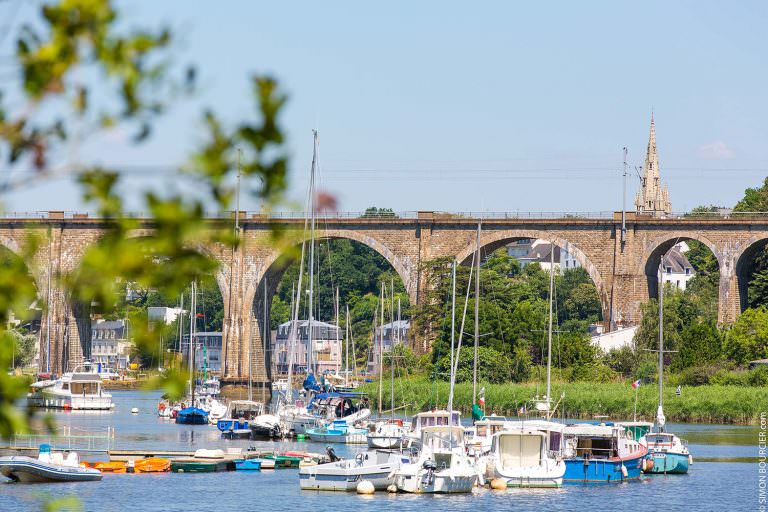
{"x": 387, "y": 435}
{"x": 442, "y": 466}
{"x": 527, "y": 454}
{"x": 78, "y": 390}
{"x": 376, "y": 466}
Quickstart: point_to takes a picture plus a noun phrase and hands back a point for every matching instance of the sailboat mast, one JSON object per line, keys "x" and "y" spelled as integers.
{"x": 350, "y": 340}
{"x": 346, "y": 346}
{"x": 661, "y": 336}
{"x": 453, "y": 331}
{"x": 310, "y": 365}
{"x": 381, "y": 345}
{"x": 477, "y": 316}
{"x": 549, "y": 330}
{"x": 192, "y": 321}
{"x": 392, "y": 364}
{"x": 338, "y": 323}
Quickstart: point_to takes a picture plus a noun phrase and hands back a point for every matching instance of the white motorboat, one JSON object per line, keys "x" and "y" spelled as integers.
{"x": 376, "y": 466}
{"x": 527, "y": 456}
{"x": 442, "y": 466}
{"x": 483, "y": 431}
{"x": 339, "y": 432}
{"x": 265, "y": 426}
{"x": 78, "y": 390}
{"x": 432, "y": 418}
{"x": 48, "y": 467}
{"x": 387, "y": 435}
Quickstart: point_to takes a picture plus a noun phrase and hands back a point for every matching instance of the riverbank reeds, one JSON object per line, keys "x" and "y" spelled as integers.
{"x": 585, "y": 400}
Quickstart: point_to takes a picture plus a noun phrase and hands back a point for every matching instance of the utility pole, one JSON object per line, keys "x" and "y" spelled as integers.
{"x": 624, "y": 203}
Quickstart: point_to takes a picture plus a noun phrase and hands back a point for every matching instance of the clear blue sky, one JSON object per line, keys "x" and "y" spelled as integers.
{"x": 496, "y": 106}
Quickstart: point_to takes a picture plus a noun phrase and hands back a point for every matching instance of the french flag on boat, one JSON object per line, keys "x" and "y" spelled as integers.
{"x": 636, "y": 384}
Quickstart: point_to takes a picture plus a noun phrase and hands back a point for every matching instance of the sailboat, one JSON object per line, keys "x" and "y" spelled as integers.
{"x": 192, "y": 415}
{"x": 668, "y": 452}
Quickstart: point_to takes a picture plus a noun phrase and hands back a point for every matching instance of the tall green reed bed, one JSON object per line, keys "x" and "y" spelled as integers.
{"x": 584, "y": 400}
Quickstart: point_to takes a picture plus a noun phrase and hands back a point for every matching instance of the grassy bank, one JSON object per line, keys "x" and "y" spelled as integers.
{"x": 704, "y": 404}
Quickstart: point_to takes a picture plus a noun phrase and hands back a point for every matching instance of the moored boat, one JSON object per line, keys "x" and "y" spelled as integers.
{"x": 375, "y": 466}
{"x": 442, "y": 466}
{"x": 48, "y": 467}
{"x": 601, "y": 454}
{"x": 524, "y": 457}
{"x": 387, "y": 435}
{"x": 192, "y": 416}
{"x": 248, "y": 465}
{"x": 339, "y": 432}
{"x": 78, "y": 390}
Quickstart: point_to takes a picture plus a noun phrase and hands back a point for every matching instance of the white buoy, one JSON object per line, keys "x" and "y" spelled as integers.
{"x": 135, "y": 410}
{"x": 498, "y": 484}
{"x": 392, "y": 488}
{"x": 624, "y": 471}
{"x": 690, "y": 460}
{"x": 365, "y": 487}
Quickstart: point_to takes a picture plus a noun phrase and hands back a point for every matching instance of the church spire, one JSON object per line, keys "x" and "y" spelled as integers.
{"x": 652, "y": 198}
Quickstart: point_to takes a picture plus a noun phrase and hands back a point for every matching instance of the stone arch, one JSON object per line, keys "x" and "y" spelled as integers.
{"x": 651, "y": 259}
{"x": 744, "y": 264}
{"x": 269, "y": 270}
{"x": 497, "y": 239}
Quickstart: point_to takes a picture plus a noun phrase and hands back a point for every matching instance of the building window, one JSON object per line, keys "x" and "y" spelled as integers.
{"x": 687, "y": 271}
{"x": 678, "y": 283}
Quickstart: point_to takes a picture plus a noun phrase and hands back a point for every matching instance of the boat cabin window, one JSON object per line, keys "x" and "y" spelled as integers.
{"x": 595, "y": 447}
{"x": 85, "y": 388}
{"x": 442, "y": 440}
{"x": 65, "y": 385}
{"x": 482, "y": 430}
{"x": 496, "y": 428}
{"x": 555, "y": 441}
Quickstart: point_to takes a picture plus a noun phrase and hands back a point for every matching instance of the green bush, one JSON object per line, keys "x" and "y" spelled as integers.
{"x": 758, "y": 376}
{"x": 592, "y": 372}
{"x": 696, "y": 375}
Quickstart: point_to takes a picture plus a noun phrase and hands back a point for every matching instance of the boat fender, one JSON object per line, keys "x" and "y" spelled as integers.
{"x": 391, "y": 488}
{"x": 131, "y": 466}
{"x": 624, "y": 471}
{"x": 644, "y": 465}
{"x": 690, "y": 460}
{"x": 365, "y": 487}
{"x": 498, "y": 484}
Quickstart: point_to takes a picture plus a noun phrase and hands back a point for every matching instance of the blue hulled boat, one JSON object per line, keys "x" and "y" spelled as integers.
{"x": 192, "y": 416}
{"x": 237, "y": 420}
{"x": 601, "y": 454}
{"x": 668, "y": 453}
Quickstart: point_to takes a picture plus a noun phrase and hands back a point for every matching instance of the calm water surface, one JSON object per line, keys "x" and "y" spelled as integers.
{"x": 715, "y": 485}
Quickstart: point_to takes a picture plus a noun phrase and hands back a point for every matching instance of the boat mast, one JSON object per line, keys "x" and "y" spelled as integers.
{"x": 381, "y": 347}
{"x": 192, "y": 329}
{"x": 310, "y": 367}
{"x": 453, "y": 331}
{"x": 549, "y": 330}
{"x": 350, "y": 340}
{"x": 660, "y": 420}
{"x": 346, "y": 347}
{"x": 338, "y": 323}
{"x": 392, "y": 382}
{"x": 477, "y": 316}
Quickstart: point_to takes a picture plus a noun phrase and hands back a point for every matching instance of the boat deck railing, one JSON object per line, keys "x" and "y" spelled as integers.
{"x": 68, "y": 438}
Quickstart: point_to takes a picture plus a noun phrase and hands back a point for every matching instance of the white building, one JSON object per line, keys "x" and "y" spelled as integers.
{"x": 615, "y": 339}
{"x": 109, "y": 345}
{"x": 163, "y": 314}
{"x": 327, "y": 346}
{"x": 386, "y": 337}
{"x": 538, "y": 251}
{"x": 676, "y": 269}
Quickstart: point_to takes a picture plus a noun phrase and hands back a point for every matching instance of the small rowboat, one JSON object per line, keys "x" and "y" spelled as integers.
{"x": 193, "y": 466}
{"x": 285, "y": 461}
{"x": 152, "y": 465}
{"x": 248, "y": 465}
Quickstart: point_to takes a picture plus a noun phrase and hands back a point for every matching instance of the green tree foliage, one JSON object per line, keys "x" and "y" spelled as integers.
{"x": 747, "y": 339}
{"x": 130, "y": 72}
{"x": 754, "y": 200}
{"x": 24, "y": 347}
{"x": 493, "y": 366}
{"x": 513, "y": 311}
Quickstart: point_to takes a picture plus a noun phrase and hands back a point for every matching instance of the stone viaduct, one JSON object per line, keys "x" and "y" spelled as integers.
{"x": 625, "y": 273}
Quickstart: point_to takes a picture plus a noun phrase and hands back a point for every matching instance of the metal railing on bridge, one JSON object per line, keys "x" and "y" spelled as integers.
{"x": 335, "y": 215}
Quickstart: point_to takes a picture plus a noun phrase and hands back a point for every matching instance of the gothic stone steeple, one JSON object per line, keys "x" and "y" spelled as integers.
{"x": 652, "y": 198}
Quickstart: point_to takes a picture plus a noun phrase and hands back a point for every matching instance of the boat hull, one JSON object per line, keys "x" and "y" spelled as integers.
{"x": 668, "y": 463}
{"x": 384, "y": 442}
{"x": 601, "y": 471}
{"x": 73, "y": 403}
{"x": 29, "y": 470}
{"x": 248, "y": 465}
{"x": 533, "y": 477}
{"x": 422, "y": 483}
{"x": 337, "y": 438}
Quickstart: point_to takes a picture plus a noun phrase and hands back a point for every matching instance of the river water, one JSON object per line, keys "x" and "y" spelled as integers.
{"x": 725, "y": 476}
